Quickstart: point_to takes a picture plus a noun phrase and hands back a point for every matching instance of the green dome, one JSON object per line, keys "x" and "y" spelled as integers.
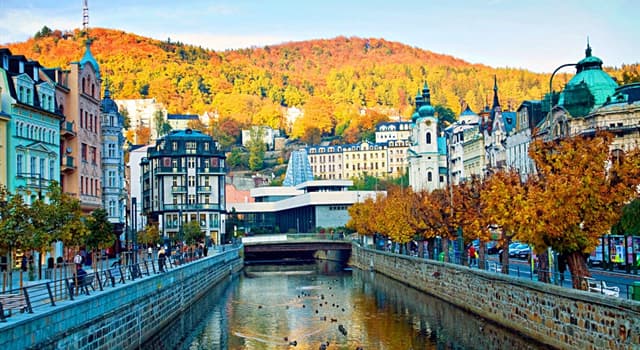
{"x": 426, "y": 111}
{"x": 589, "y": 75}
{"x": 88, "y": 58}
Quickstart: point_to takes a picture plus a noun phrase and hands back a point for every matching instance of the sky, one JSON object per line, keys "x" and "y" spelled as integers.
{"x": 535, "y": 35}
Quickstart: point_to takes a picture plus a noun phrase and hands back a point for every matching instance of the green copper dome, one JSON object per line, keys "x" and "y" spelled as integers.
{"x": 589, "y": 88}
{"x": 88, "y": 58}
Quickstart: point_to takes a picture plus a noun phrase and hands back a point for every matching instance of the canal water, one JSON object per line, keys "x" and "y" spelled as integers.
{"x": 305, "y": 306}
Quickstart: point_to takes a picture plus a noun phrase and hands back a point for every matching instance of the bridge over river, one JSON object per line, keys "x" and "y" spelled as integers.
{"x": 280, "y": 248}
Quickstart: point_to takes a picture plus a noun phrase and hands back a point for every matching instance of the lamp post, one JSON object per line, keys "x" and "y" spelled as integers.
{"x": 551, "y": 82}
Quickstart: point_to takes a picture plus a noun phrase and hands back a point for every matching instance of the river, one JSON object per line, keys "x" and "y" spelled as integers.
{"x": 306, "y": 306}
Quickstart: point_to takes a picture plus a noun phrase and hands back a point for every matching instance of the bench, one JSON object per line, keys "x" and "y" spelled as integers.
{"x": 601, "y": 287}
{"x": 10, "y": 302}
{"x": 84, "y": 283}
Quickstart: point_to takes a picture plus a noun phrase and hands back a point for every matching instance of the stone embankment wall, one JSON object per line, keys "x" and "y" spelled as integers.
{"x": 123, "y": 317}
{"x": 560, "y": 317}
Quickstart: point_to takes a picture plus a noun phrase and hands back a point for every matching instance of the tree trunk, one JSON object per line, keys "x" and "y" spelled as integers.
{"x": 482, "y": 255}
{"x": 543, "y": 267}
{"x": 579, "y": 270}
{"x": 421, "y": 249}
{"x": 445, "y": 248}
{"x": 504, "y": 259}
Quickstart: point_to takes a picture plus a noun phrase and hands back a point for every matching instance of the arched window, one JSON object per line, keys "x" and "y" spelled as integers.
{"x": 83, "y": 85}
{"x": 428, "y": 138}
{"x": 429, "y": 176}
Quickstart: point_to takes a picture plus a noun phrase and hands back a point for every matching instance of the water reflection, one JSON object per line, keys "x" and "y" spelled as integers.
{"x": 305, "y": 306}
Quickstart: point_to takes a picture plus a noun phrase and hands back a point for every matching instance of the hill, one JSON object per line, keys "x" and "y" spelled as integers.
{"x": 337, "y": 77}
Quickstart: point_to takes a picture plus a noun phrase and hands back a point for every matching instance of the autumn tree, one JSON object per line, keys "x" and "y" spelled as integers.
{"x": 15, "y": 223}
{"x": 143, "y": 135}
{"x": 150, "y": 235}
{"x": 360, "y": 217}
{"x": 581, "y": 193}
{"x": 473, "y": 220}
{"x": 257, "y": 148}
{"x": 192, "y": 232}
{"x": 101, "y": 234}
{"x": 506, "y": 203}
{"x": 396, "y": 216}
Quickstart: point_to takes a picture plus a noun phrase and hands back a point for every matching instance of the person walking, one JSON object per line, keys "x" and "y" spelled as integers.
{"x": 161, "y": 259}
{"x": 472, "y": 255}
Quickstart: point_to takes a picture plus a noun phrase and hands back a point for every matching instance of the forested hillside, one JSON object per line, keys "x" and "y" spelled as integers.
{"x": 332, "y": 80}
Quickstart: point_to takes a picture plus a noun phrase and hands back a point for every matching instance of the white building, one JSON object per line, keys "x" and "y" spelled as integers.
{"x": 136, "y": 154}
{"x": 301, "y": 208}
{"x": 427, "y": 153}
{"x": 268, "y": 135}
{"x": 141, "y": 112}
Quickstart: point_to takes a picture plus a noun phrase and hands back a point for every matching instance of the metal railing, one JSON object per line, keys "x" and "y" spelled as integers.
{"x": 63, "y": 283}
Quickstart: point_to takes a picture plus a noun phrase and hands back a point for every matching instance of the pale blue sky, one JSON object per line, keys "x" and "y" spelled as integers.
{"x": 535, "y": 35}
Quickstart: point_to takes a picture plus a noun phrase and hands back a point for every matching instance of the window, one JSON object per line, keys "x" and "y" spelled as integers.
{"x": 112, "y": 150}
{"x": 174, "y": 145}
{"x": 206, "y": 146}
{"x": 191, "y": 162}
{"x": 429, "y": 177}
{"x": 33, "y": 166}
{"x": 93, "y": 155}
{"x": 166, "y": 162}
{"x": 175, "y": 181}
{"x": 206, "y": 180}
{"x": 428, "y": 138}
{"x": 112, "y": 178}
{"x": 112, "y": 208}
{"x": 19, "y": 164}
{"x": 81, "y": 120}
{"x": 51, "y": 171}
{"x": 192, "y": 199}
{"x": 83, "y": 153}
{"x": 191, "y": 147}
{"x": 192, "y": 181}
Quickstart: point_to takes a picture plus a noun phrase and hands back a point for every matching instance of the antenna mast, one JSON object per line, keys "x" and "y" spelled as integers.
{"x": 85, "y": 17}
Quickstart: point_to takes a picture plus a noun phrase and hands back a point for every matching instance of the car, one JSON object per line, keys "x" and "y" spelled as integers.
{"x": 514, "y": 249}
{"x": 524, "y": 253}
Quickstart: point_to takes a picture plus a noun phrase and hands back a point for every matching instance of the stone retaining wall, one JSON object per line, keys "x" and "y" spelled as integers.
{"x": 560, "y": 317}
{"x": 123, "y": 317}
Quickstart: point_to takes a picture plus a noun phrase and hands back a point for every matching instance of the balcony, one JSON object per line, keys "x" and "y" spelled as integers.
{"x": 204, "y": 188}
{"x": 178, "y": 189}
{"x": 67, "y": 129}
{"x": 67, "y": 165}
{"x": 191, "y": 207}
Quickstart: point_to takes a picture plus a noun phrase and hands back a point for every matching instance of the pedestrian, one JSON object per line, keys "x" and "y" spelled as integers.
{"x": 472, "y": 255}
{"x": 78, "y": 261}
{"x": 23, "y": 263}
{"x": 161, "y": 258}
{"x": 150, "y": 253}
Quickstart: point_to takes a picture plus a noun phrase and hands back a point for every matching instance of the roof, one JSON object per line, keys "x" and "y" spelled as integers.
{"x": 88, "y": 58}
{"x": 509, "y": 120}
{"x": 107, "y": 104}
{"x": 182, "y": 116}
{"x": 187, "y": 133}
{"x": 589, "y": 75}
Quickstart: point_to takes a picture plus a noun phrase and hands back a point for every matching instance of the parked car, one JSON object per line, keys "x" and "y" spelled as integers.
{"x": 524, "y": 253}
{"x": 514, "y": 249}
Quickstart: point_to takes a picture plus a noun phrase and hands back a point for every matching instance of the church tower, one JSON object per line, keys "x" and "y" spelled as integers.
{"x": 424, "y": 154}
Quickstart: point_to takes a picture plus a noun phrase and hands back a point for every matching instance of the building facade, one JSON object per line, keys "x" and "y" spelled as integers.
{"x": 392, "y": 131}
{"x": 32, "y": 122}
{"x": 183, "y": 180}
{"x": 517, "y": 143}
{"x": 78, "y": 94}
{"x": 114, "y": 189}
{"x": 468, "y": 120}
{"x": 180, "y": 121}
{"x": 141, "y": 113}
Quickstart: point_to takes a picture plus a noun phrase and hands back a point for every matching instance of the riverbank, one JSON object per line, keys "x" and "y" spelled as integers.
{"x": 559, "y": 317}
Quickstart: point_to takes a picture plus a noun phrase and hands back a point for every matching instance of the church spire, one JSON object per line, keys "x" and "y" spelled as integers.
{"x": 496, "y": 103}
{"x": 587, "y": 52}
{"x": 426, "y": 95}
